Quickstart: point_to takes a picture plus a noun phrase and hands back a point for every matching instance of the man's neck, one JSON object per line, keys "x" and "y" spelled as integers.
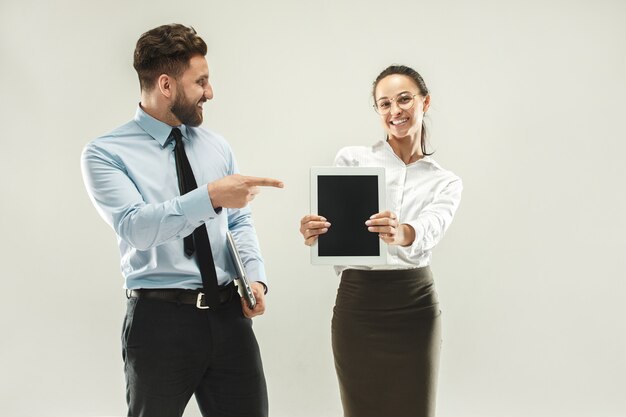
{"x": 158, "y": 110}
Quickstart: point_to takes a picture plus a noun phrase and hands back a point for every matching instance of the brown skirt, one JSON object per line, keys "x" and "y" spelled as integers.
{"x": 386, "y": 336}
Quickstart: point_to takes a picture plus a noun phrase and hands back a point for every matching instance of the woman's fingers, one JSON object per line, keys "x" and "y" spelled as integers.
{"x": 314, "y": 232}
{"x": 311, "y": 217}
{"x": 385, "y": 230}
{"x": 311, "y": 226}
{"x": 383, "y": 214}
{"x": 385, "y": 224}
{"x": 310, "y": 240}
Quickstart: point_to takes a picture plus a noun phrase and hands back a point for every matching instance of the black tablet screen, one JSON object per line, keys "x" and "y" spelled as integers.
{"x": 347, "y": 201}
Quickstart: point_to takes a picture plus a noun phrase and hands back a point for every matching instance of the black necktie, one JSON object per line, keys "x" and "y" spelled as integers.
{"x": 199, "y": 239}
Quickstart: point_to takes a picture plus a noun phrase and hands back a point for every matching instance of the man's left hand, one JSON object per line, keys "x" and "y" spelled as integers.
{"x": 259, "y": 293}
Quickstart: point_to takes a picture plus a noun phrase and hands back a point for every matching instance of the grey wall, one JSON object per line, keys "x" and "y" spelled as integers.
{"x": 528, "y": 104}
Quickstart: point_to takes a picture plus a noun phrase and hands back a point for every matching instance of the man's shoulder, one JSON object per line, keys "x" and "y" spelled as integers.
{"x": 126, "y": 130}
{"x": 118, "y": 141}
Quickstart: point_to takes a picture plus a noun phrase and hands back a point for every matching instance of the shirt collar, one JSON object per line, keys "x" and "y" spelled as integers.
{"x": 158, "y": 130}
{"x": 383, "y": 144}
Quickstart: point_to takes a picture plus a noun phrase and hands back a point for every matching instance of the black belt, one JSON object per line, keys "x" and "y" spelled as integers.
{"x": 180, "y": 296}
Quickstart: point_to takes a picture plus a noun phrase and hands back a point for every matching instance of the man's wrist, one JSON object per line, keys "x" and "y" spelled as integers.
{"x": 217, "y": 207}
{"x": 264, "y": 286}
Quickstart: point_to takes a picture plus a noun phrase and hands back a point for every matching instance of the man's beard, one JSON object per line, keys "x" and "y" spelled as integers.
{"x": 188, "y": 113}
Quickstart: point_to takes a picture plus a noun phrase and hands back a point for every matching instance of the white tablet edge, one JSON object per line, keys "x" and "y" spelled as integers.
{"x": 379, "y": 172}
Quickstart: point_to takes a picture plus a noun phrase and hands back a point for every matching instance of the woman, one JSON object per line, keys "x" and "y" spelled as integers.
{"x": 386, "y": 330}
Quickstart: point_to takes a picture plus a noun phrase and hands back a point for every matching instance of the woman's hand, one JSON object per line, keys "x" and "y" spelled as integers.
{"x": 311, "y": 226}
{"x": 389, "y": 230}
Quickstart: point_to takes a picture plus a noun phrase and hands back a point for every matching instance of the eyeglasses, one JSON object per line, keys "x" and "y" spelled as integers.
{"x": 405, "y": 101}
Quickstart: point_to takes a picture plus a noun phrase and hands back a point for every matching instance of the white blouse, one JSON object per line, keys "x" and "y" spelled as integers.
{"x": 422, "y": 194}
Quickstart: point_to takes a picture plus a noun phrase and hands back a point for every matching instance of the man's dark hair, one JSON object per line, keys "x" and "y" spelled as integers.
{"x": 166, "y": 50}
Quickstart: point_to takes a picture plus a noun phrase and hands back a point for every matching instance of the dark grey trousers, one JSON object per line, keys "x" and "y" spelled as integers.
{"x": 172, "y": 351}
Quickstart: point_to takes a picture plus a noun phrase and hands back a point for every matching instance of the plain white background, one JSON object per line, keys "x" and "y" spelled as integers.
{"x": 528, "y": 107}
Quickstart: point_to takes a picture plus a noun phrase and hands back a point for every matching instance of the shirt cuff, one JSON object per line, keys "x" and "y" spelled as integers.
{"x": 256, "y": 272}
{"x": 196, "y": 206}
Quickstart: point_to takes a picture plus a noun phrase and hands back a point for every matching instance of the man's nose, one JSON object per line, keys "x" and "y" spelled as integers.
{"x": 208, "y": 92}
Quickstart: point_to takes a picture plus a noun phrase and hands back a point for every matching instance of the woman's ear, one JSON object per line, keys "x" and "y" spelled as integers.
{"x": 426, "y": 102}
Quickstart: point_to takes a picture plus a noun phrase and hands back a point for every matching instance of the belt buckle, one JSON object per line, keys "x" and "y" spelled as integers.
{"x": 200, "y": 302}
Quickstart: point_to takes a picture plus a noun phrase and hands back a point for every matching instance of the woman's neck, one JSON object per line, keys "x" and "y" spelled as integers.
{"x": 408, "y": 149}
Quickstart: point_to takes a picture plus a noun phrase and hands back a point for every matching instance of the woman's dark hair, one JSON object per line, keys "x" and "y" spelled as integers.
{"x": 165, "y": 50}
{"x": 419, "y": 82}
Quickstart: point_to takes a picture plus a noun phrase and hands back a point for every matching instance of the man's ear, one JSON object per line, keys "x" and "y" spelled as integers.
{"x": 166, "y": 85}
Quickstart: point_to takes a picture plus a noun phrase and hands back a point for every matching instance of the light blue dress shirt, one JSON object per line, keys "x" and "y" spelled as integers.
{"x": 130, "y": 175}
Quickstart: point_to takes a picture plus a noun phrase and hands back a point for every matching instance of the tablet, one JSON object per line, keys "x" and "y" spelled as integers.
{"x": 243, "y": 284}
{"x": 347, "y": 197}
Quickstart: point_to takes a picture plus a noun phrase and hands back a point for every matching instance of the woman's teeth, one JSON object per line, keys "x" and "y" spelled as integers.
{"x": 398, "y": 122}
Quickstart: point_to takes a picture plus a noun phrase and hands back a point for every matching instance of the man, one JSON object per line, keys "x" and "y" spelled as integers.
{"x": 171, "y": 191}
